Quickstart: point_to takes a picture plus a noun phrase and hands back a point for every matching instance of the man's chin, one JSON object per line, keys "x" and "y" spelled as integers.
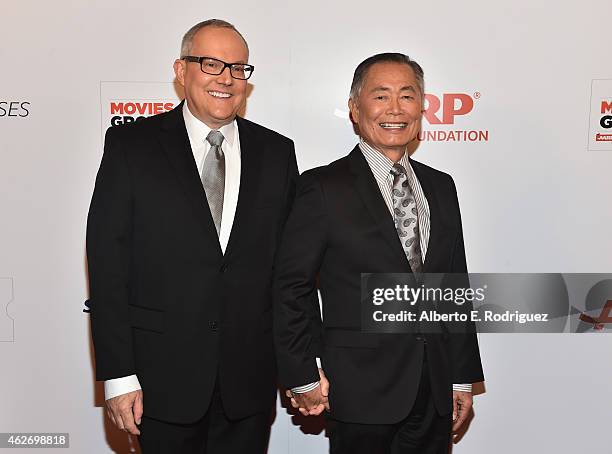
{"x": 222, "y": 121}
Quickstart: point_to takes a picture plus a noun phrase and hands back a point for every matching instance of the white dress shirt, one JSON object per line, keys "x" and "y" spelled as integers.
{"x": 381, "y": 166}
{"x": 197, "y": 132}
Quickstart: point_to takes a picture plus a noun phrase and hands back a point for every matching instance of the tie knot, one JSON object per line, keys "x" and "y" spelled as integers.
{"x": 397, "y": 170}
{"x": 215, "y": 138}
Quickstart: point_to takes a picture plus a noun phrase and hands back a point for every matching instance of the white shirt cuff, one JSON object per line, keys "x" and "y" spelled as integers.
{"x": 122, "y": 385}
{"x": 465, "y": 387}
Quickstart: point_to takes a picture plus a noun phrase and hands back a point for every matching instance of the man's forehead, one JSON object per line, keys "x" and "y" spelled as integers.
{"x": 389, "y": 87}
{"x": 219, "y": 39}
{"x": 390, "y": 73}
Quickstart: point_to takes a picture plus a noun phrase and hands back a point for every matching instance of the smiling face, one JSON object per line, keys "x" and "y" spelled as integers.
{"x": 214, "y": 100}
{"x": 388, "y": 108}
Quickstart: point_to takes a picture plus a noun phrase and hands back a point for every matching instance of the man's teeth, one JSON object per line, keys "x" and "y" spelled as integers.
{"x": 393, "y": 125}
{"x": 218, "y": 94}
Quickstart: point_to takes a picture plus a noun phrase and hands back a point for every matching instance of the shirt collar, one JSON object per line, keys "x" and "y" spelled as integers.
{"x": 379, "y": 163}
{"x": 198, "y": 130}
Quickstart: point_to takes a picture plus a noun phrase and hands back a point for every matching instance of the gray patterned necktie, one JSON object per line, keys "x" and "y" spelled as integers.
{"x": 213, "y": 176}
{"x": 406, "y": 218}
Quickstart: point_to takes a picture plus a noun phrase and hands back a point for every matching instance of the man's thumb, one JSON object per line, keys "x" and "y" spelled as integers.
{"x": 138, "y": 408}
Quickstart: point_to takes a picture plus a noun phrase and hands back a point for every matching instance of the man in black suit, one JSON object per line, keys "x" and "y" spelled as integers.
{"x": 373, "y": 211}
{"x": 182, "y": 231}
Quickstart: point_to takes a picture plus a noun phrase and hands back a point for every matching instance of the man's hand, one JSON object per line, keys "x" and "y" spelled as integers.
{"x": 314, "y": 401}
{"x": 324, "y": 387}
{"x": 462, "y": 405}
{"x": 125, "y": 411}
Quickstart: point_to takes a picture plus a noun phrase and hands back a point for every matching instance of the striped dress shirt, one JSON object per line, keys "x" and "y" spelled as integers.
{"x": 381, "y": 167}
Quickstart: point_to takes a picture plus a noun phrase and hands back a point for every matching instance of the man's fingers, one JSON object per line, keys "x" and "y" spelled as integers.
{"x": 455, "y": 410}
{"x": 124, "y": 408}
{"x": 119, "y": 421}
{"x": 138, "y": 409}
{"x": 311, "y": 402}
{"x": 463, "y": 412}
{"x": 324, "y": 382}
{"x": 324, "y": 388}
{"x": 128, "y": 421}
{"x": 113, "y": 414}
{"x": 111, "y": 417}
{"x": 459, "y": 422}
{"x": 316, "y": 411}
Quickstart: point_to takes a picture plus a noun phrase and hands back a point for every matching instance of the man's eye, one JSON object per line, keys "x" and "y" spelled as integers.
{"x": 211, "y": 64}
{"x": 381, "y": 98}
{"x": 408, "y": 97}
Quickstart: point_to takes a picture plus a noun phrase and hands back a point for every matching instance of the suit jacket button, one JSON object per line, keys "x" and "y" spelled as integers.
{"x": 213, "y": 325}
{"x": 223, "y": 268}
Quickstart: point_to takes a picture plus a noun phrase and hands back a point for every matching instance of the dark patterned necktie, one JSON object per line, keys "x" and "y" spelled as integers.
{"x": 213, "y": 176}
{"x": 406, "y": 218}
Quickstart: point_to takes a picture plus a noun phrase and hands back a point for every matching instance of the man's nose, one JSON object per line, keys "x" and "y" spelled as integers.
{"x": 394, "y": 106}
{"x": 225, "y": 77}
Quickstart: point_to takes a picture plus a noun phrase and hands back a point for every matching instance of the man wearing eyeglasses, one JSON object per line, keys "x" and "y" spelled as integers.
{"x": 182, "y": 230}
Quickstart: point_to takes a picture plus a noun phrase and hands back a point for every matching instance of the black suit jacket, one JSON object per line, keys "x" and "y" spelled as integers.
{"x": 339, "y": 228}
{"x": 166, "y": 304}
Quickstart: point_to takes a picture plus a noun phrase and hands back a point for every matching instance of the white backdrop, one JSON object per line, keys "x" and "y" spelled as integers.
{"x": 534, "y": 195}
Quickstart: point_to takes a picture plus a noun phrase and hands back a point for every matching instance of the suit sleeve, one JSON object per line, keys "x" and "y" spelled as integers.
{"x": 314, "y": 312}
{"x": 297, "y": 320}
{"x": 109, "y": 245}
{"x": 464, "y": 351}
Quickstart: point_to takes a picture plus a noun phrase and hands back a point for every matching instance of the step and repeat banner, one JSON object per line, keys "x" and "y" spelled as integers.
{"x": 519, "y": 112}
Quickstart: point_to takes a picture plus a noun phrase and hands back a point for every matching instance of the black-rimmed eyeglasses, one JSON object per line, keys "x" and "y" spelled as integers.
{"x": 214, "y": 67}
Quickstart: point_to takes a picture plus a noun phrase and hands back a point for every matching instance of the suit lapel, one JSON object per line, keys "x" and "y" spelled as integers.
{"x": 250, "y": 166}
{"x": 437, "y": 228}
{"x": 372, "y": 198}
{"x": 175, "y": 143}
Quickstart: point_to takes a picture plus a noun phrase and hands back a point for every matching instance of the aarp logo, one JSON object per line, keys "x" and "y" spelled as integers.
{"x": 448, "y": 116}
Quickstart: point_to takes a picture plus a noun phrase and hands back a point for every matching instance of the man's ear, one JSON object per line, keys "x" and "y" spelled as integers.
{"x": 353, "y": 110}
{"x": 179, "y": 71}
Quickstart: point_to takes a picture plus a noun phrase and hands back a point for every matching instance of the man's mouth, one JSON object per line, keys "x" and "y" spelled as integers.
{"x": 389, "y": 125}
{"x": 219, "y": 94}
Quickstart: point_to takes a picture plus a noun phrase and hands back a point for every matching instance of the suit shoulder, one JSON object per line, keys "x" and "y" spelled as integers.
{"x": 434, "y": 174}
{"x": 327, "y": 174}
{"x": 267, "y": 134}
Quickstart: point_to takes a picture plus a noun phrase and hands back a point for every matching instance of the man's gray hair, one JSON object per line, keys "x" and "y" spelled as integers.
{"x": 388, "y": 57}
{"x": 187, "y": 42}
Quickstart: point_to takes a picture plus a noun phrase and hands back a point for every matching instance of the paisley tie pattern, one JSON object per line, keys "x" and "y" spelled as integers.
{"x": 406, "y": 217}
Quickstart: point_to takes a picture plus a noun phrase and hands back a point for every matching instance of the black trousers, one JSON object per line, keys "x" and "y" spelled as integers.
{"x": 215, "y": 433}
{"x": 423, "y": 431}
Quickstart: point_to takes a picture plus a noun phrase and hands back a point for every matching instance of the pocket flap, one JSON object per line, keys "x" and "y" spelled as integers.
{"x": 145, "y": 318}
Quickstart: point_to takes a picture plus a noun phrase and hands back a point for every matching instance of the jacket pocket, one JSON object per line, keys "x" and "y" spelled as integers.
{"x": 148, "y": 319}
